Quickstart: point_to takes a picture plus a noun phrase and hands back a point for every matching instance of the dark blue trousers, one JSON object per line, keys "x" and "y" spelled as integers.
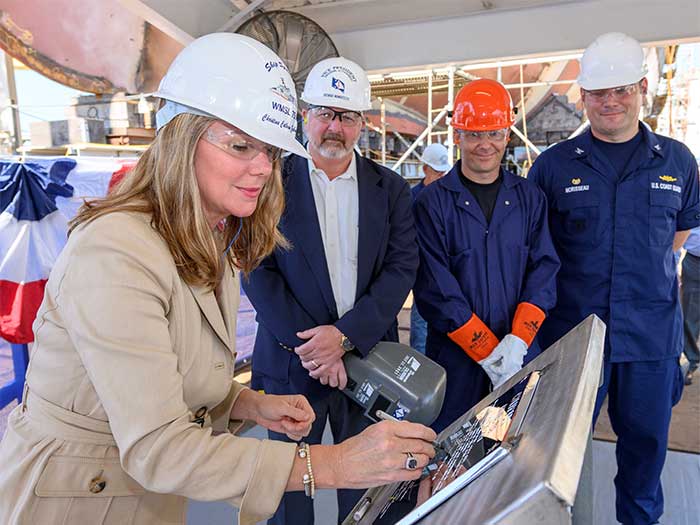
{"x": 640, "y": 397}
{"x": 346, "y": 420}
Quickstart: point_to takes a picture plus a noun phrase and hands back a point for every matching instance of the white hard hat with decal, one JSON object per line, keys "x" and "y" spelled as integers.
{"x": 612, "y": 60}
{"x": 238, "y": 80}
{"x": 338, "y": 82}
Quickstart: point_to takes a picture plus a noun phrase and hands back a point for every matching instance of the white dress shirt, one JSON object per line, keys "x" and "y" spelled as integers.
{"x": 338, "y": 210}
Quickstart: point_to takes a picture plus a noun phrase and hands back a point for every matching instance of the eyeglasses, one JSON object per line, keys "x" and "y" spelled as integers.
{"x": 348, "y": 119}
{"x": 617, "y": 93}
{"x": 493, "y": 135}
{"x": 239, "y": 145}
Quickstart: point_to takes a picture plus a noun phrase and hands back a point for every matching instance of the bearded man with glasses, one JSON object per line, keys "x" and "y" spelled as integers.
{"x": 487, "y": 264}
{"x": 351, "y": 266}
{"x": 622, "y": 199}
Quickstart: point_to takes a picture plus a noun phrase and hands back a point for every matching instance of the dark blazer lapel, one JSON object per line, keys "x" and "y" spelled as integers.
{"x": 302, "y": 228}
{"x": 373, "y": 220}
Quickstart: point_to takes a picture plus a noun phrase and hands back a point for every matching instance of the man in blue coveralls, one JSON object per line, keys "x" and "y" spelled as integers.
{"x": 621, "y": 200}
{"x": 488, "y": 267}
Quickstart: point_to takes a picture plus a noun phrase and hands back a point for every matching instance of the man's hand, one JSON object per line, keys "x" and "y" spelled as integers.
{"x": 321, "y": 351}
{"x": 334, "y": 376}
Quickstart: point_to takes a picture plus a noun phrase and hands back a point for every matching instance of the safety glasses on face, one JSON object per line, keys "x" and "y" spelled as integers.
{"x": 239, "y": 145}
{"x": 493, "y": 135}
{"x": 348, "y": 119}
{"x": 617, "y": 93}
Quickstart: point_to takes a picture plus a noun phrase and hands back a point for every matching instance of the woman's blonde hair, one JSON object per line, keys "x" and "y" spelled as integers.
{"x": 163, "y": 184}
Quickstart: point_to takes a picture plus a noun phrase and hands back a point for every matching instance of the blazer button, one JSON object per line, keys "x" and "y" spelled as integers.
{"x": 199, "y": 416}
{"x": 97, "y": 484}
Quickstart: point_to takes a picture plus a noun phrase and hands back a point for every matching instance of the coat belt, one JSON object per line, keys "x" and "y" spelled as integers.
{"x": 64, "y": 424}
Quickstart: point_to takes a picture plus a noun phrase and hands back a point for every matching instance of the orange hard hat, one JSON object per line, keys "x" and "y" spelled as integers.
{"x": 483, "y": 105}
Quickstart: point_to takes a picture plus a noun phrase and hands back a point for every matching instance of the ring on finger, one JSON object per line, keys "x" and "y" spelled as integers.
{"x": 411, "y": 462}
{"x": 316, "y": 365}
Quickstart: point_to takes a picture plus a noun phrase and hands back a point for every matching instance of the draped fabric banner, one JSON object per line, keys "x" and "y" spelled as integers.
{"x": 37, "y": 199}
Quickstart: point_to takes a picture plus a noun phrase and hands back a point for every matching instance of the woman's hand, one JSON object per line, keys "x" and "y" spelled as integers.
{"x": 287, "y": 414}
{"x": 378, "y": 455}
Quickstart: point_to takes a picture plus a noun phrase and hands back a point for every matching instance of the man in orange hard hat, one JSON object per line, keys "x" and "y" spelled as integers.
{"x": 488, "y": 267}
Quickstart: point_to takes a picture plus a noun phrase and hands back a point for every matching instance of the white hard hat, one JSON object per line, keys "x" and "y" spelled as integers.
{"x": 435, "y": 156}
{"x": 612, "y": 60}
{"x": 338, "y": 82}
{"x": 238, "y": 80}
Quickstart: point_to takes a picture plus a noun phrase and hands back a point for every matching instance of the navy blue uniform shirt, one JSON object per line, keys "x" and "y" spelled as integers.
{"x": 614, "y": 236}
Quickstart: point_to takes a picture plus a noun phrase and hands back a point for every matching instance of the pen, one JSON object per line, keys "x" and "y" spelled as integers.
{"x": 388, "y": 417}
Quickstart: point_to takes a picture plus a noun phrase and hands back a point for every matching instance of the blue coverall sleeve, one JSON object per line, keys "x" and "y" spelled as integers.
{"x": 437, "y": 293}
{"x": 279, "y": 311}
{"x": 689, "y": 216}
{"x": 540, "y": 286}
{"x": 376, "y": 309}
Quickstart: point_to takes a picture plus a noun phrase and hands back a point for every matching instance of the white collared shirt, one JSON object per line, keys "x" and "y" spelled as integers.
{"x": 338, "y": 210}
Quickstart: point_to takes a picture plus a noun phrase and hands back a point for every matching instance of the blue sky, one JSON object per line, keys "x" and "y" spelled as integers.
{"x": 40, "y": 98}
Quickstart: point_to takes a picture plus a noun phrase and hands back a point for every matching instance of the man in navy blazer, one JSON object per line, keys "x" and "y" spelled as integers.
{"x": 351, "y": 264}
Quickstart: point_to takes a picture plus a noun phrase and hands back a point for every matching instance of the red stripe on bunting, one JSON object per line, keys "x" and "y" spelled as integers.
{"x": 19, "y": 304}
{"x": 118, "y": 175}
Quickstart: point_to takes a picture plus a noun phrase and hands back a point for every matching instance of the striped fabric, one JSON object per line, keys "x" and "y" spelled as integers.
{"x": 37, "y": 199}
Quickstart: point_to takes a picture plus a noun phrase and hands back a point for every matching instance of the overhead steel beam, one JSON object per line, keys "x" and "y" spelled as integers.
{"x": 236, "y": 20}
{"x": 531, "y": 31}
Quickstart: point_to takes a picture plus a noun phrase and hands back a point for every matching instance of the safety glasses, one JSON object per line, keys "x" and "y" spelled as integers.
{"x": 348, "y": 119}
{"x": 616, "y": 93}
{"x": 239, "y": 145}
{"x": 493, "y": 135}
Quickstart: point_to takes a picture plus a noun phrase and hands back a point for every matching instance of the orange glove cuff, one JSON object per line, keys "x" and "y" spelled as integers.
{"x": 527, "y": 321}
{"x": 475, "y": 338}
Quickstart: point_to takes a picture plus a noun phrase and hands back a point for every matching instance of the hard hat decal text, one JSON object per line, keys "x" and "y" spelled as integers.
{"x": 285, "y": 110}
{"x": 269, "y": 66}
{"x": 339, "y": 69}
{"x": 283, "y": 124}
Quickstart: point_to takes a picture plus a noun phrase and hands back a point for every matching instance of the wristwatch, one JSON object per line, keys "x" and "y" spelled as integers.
{"x": 345, "y": 343}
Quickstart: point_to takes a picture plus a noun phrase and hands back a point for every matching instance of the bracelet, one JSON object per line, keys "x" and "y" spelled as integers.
{"x": 304, "y": 452}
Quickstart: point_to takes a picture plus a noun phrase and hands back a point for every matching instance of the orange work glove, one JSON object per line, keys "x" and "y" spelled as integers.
{"x": 527, "y": 321}
{"x": 475, "y": 338}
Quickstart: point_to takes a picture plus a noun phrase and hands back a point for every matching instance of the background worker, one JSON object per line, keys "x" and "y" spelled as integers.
{"x": 487, "y": 270}
{"x": 130, "y": 406}
{"x": 351, "y": 264}
{"x": 621, "y": 200}
{"x": 435, "y": 165}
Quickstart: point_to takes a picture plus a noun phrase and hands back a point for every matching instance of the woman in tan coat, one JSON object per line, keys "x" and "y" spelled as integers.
{"x": 130, "y": 404}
